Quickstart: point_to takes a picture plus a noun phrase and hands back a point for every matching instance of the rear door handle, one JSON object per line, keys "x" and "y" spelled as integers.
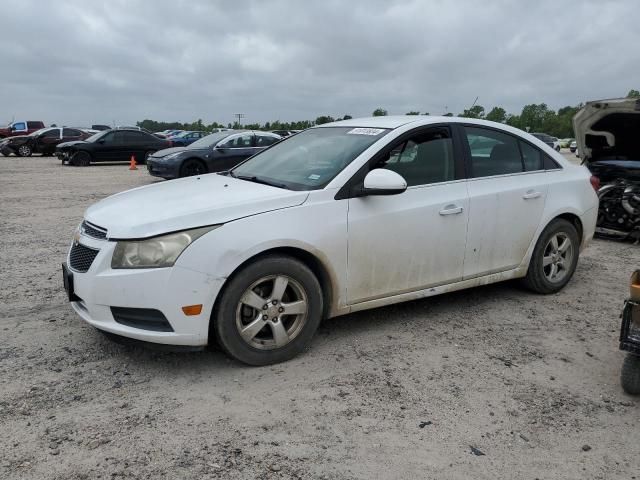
{"x": 451, "y": 210}
{"x": 531, "y": 194}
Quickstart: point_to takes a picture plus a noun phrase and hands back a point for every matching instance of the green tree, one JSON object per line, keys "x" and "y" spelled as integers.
{"x": 379, "y": 112}
{"x": 412, "y": 113}
{"x": 324, "y": 119}
{"x": 633, "y": 94}
{"x": 497, "y": 114}
{"x": 477, "y": 111}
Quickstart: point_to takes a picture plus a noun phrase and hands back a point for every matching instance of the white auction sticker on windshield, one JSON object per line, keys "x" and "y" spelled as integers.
{"x": 365, "y": 131}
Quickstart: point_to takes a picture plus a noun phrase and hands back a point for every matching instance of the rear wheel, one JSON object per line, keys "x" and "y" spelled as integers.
{"x": 554, "y": 258}
{"x": 191, "y": 167}
{"x": 80, "y": 159}
{"x": 269, "y": 311}
{"x": 630, "y": 375}
{"x": 24, "y": 151}
{"x": 147, "y": 154}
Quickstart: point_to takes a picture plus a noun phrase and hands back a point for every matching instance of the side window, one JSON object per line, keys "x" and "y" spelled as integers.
{"x": 32, "y": 125}
{"x": 133, "y": 138}
{"x": 492, "y": 153}
{"x": 55, "y": 133}
{"x": 117, "y": 138}
{"x": 425, "y": 158}
{"x": 70, "y": 132}
{"x": 241, "y": 141}
{"x": 265, "y": 140}
{"x": 20, "y": 126}
{"x": 532, "y": 157}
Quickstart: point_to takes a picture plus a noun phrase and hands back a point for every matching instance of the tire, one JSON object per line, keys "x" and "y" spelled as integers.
{"x": 557, "y": 149}
{"x": 191, "y": 167}
{"x": 539, "y": 276}
{"x": 80, "y": 159}
{"x": 147, "y": 154}
{"x": 297, "y": 288}
{"x": 24, "y": 151}
{"x": 630, "y": 375}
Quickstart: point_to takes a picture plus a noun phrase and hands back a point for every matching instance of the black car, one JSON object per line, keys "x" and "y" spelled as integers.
{"x": 548, "y": 139}
{"x": 42, "y": 141}
{"x": 214, "y": 153}
{"x": 117, "y": 145}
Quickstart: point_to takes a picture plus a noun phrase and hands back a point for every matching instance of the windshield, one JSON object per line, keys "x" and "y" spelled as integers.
{"x": 311, "y": 159}
{"x": 209, "y": 140}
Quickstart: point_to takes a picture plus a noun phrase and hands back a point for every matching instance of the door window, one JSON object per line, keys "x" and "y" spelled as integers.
{"x": 265, "y": 140}
{"x": 240, "y": 141}
{"x": 71, "y": 132}
{"x": 492, "y": 152}
{"x": 133, "y": 138}
{"x": 531, "y": 156}
{"x": 19, "y": 126}
{"x": 55, "y": 133}
{"x": 424, "y": 158}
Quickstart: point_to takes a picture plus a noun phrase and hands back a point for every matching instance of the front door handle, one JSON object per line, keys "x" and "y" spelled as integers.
{"x": 451, "y": 210}
{"x": 531, "y": 194}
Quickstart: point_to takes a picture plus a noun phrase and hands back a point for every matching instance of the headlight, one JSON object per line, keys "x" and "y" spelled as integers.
{"x": 171, "y": 155}
{"x": 155, "y": 252}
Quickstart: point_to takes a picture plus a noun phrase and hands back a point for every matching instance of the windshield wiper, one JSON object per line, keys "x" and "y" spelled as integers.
{"x": 253, "y": 178}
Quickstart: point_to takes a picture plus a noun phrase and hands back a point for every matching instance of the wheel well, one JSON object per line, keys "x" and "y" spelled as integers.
{"x": 575, "y": 221}
{"x": 305, "y": 257}
{"x": 199, "y": 160}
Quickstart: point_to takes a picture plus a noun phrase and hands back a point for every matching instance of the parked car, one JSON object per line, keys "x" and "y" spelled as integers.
{"x": 609, "y": 145}
{"x": 117, "y": 145}
{"x": 214, "y": 153}
{"x": 565, "y": 142}
{"x": 573, "y": 146}
{"x": 100, "y": 128}
{"x": 22, "y": 127}
{"x": 549, "y": 140}
{"x": 282, "y": 133}
{"x": 186, "y": 138}
{"x": 342, "y": 217}
{"x": 630, "y": 338}
{"x": 42, "y": 141}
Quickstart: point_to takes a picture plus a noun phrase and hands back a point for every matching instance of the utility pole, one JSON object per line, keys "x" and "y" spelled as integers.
{"x": 239, "y": 117}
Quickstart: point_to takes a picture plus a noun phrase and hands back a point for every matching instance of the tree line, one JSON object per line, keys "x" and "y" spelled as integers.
{"x": 533, "y": 118}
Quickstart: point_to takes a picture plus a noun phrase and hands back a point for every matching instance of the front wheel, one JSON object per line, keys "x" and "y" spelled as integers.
{"x": 24, "y": 151}
{"x": 269, "y": 311}
{"x": 554, "y": 258}
{"x": 80, "y": 159}
{"x": 192, "y": 167}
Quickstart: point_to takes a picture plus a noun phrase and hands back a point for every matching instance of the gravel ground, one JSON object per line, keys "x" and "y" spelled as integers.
{"x": 529, "y": 383}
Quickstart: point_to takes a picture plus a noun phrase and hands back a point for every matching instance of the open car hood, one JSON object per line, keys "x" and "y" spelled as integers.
{"x": 608, "y": 130}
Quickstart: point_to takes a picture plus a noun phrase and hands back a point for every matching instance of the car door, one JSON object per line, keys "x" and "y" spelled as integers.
{"x": 507, "y": 193}
{"x": 234, "y": 149}
{"x": 416, "y": 239}
{"x": 46, "y": 142}
{"x": 70, "y": 135}
{"x": 108, "y": 147}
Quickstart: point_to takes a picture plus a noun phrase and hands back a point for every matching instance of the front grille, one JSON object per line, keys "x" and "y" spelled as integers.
{"x": 81, "y": 257}
{"x": 93, "y": 230}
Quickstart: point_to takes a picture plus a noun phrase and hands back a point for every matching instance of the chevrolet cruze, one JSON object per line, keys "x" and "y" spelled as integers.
{"x": 342, "y": 217}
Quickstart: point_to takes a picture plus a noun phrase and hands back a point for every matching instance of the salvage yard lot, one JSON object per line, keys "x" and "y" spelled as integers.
{"x": 397, "y": 392}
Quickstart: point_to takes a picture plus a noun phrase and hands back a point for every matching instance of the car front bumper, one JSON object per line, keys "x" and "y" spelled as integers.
{"x": 164, "y": 290}
{"x": 162, "y": 170}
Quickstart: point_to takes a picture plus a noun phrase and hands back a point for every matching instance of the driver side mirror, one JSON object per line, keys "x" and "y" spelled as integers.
{"x": 381, "y": 181}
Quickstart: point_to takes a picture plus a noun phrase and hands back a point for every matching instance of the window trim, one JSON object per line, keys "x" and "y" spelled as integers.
{"x": 466, "y": 150}
{"x": 350, "y": 188}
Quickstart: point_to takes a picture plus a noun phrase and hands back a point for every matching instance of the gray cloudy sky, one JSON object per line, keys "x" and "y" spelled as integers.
{"x": 83, "y": 62}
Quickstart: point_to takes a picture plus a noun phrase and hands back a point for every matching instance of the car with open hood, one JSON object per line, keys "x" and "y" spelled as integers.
{"x": 608, "y": 142}
{"x": 215, "y": 152}
{"x": 339, "y": 218}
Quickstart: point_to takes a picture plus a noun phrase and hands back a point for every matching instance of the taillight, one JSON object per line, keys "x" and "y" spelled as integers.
{"x": 595, "y": 182}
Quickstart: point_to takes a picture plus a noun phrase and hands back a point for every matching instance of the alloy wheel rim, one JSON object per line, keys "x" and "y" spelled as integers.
{"x": 558, "y": 257}
{"x": 272, "y": 312}
{"x": 24, "y": 151}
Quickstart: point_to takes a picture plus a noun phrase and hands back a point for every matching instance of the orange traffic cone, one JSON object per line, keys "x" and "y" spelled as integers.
{"x": 132, "y": 164}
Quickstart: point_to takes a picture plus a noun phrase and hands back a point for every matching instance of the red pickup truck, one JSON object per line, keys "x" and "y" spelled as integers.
{"x": 21, "y": 127}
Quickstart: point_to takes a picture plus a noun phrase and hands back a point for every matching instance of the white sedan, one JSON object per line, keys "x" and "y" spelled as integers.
{"x": 342, "y": 217}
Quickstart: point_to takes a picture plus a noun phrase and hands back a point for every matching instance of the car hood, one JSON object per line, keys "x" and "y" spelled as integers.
{"x": 186, "y": 203}
{"x": 601, "y": 128}
{"x": 71, "y": 144}
{"x": 168, "y": 151}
